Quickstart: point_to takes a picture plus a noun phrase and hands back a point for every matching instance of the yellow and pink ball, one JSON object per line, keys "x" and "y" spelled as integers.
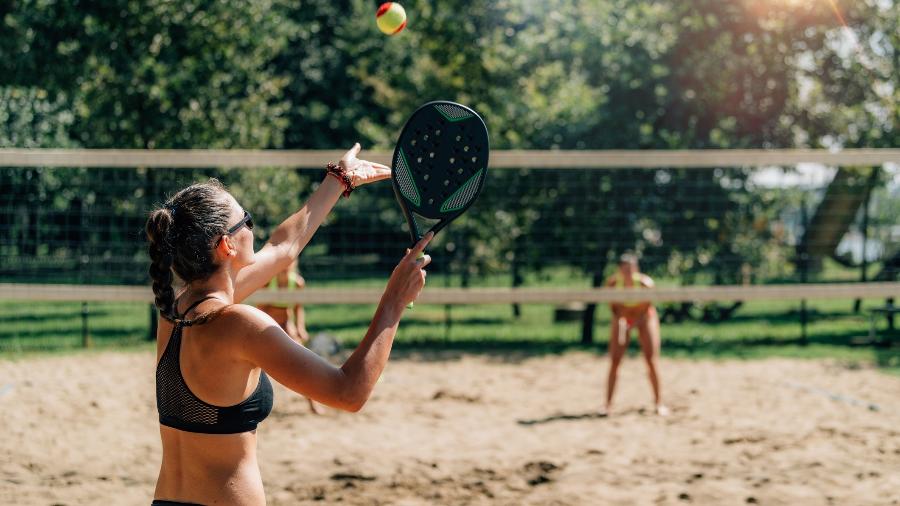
{"x": 390, "y": 18}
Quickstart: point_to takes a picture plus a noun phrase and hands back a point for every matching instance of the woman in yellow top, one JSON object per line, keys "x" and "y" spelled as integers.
{"x": 631, "y": 315}
{"x": 290, "y": 316}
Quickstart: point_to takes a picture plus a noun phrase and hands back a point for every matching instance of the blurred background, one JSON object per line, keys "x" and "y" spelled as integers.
{"x": 550, "y": 75}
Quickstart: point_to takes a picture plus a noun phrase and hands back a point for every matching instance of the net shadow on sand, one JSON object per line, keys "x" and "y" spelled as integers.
{"x": 591, "y": 415}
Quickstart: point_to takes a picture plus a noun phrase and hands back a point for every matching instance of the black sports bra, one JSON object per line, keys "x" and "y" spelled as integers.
{"x": 179, "y": 408}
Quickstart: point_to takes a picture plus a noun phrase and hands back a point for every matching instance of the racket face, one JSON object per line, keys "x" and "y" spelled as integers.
{"x": 440, "y": 162}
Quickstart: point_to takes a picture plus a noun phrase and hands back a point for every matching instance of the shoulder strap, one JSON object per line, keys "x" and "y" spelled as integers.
{"x": 195, "y": 304}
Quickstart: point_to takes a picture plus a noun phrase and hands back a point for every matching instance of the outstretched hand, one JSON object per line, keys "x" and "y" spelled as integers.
{"x": 363, "y": 171}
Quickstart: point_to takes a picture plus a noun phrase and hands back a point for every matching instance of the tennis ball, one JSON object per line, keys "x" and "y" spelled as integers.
{"x": 390, "y": 18}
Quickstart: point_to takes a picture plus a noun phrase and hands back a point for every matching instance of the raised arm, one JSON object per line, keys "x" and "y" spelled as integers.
{"x": 289, "y": 238}
{"x": 347, "y": 387}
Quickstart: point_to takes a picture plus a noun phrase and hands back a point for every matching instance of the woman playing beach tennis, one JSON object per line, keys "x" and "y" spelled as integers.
{"x": 214, "y": 354}
{"x": 633, "y": 315}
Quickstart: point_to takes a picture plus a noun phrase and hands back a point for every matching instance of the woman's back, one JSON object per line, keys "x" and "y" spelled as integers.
{"x": 198, "y": 462}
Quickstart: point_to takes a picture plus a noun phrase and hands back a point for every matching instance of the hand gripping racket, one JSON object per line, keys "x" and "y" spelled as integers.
{"x": 440, "y": 164}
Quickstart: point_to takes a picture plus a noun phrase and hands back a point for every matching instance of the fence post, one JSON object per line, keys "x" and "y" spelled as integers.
{"x": 154, "y": 322}
{"x": 804, "y": 269}
{"x": 85, "y": 331}
{"x": 857, "y": 304}
{"x": 587, "y": 323}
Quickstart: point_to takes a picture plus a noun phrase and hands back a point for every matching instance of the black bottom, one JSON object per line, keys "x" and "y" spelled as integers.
{"x": 159, "y": 502}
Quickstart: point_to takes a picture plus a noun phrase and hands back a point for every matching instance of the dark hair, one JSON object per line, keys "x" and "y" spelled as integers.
{"x": 181, "y": 234}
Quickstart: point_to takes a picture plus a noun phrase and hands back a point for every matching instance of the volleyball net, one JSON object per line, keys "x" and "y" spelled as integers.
{"x": 710, "y": 225}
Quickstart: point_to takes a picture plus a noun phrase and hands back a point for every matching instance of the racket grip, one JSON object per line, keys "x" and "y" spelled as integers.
{"x": 420, "y": 255}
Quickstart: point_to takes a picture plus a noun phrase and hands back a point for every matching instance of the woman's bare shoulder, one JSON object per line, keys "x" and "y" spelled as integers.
{"x": 244, "y": 317}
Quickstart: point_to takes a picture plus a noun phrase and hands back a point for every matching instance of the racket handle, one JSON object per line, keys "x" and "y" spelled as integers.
{"x": 419, "y": 256}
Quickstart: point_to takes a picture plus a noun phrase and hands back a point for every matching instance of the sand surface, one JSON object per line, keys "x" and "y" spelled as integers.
{"x": 482, "y": 429}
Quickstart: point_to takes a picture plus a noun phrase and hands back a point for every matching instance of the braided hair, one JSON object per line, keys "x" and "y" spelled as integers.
{"x": 181, "y": 235}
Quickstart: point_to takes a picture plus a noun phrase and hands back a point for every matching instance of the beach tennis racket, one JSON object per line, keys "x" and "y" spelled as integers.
{"x": 440, "y": 164}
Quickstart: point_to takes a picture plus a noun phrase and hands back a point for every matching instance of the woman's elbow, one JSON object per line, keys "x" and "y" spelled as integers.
{"x": 355, "y": 408}
{"x": 354, "y": 404}
{"x": 354, "y": 398}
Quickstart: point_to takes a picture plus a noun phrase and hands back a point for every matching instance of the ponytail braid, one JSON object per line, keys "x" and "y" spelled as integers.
{"x": 162, "y": 257}
{"x": 186, "y": 250}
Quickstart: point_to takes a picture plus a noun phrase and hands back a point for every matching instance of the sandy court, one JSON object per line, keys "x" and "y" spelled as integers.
{"x": 482, "y": 429}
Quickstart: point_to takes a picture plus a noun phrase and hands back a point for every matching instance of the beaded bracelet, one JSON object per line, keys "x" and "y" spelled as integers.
{"x": 340, "y": 173}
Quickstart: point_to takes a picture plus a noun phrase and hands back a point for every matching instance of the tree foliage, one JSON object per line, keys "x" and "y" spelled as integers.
{"x": 611, "y": 74}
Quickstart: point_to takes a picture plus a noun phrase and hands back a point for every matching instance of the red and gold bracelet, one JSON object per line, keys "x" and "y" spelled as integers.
{"x": 340, "y": 173}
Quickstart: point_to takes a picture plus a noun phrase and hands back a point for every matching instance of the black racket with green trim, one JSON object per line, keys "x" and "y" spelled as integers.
{"x": 440, "y": 164}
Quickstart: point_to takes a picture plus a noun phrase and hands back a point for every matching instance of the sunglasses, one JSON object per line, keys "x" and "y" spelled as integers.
{"x": 246, "y": 220}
